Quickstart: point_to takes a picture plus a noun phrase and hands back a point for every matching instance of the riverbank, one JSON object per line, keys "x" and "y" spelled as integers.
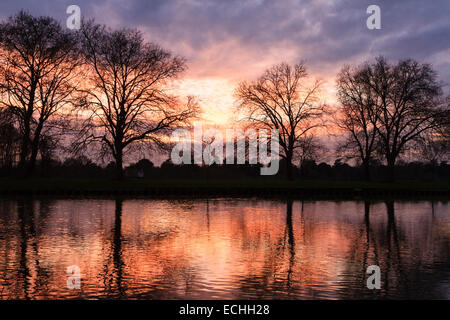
{"x": 219, "y": 188}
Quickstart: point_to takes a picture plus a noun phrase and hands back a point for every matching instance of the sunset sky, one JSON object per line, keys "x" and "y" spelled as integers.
{"x": 229, "y": 41}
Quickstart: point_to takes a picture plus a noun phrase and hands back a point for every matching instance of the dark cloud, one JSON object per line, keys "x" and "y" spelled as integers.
{"x": 324, "y": 33}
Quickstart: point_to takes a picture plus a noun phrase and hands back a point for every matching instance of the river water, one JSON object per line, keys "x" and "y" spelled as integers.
{"x": 222, "y": 249}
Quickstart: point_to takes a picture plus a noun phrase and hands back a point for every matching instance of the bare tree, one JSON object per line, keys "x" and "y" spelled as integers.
{"x": 38, "y": 60}
{"x": 431, "y": 147}
{"x": 127, "y": 97}
{"x": 356, "y": 116}
{"x": 310, "y": 148}
{"x": 408, "y": 101}
{"x": 279, "y": 100}
{"x": 9, "y": 140}
{"x": 434, "y": 145}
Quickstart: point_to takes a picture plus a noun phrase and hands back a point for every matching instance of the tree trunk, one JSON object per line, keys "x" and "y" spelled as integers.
{"x": 302, "y": 171}
{"x": 27, "y": 130}
{"x": 119, "y": 164}
{"x": 289, "y": 171}
{"x": 31, "y": 164}
{"x": 34, "y": 151}
{"x": 366, "y": 166}
{"x": 391, "y": 170}
{"x": 24, "y": 147}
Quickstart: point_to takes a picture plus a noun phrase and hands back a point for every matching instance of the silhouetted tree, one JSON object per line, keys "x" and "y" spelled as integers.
{"x": 356, "y": 116}
{"x": 309, "y": 149}
{"x": 280, "y": 100}
{"x": 47, "y": 147}
{"x": 408, "y": 104}
{"x": 38, "y": 60}
{"x": 9, "y": 140}
{"x": 126, "y": 94}
{"x": 433, "y": 146}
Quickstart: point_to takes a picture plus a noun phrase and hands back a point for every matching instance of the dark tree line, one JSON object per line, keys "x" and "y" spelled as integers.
{"x": 83, "y": 167}
{"x": 107, "y": 93}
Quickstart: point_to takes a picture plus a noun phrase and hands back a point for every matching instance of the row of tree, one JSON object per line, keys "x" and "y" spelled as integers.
{"x": 384, "y": 110}
{"x": 83, "y": 167}
{"x": 107, "y": 88}
{"x": 388, "y": 109}
{"x": 109, "y": 92}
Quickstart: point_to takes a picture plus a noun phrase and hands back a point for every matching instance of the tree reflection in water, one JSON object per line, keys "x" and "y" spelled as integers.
{"x": 223, "y": 248}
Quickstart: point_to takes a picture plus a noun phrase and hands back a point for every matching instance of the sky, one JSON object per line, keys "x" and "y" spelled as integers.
{"x": 226, "y": 42}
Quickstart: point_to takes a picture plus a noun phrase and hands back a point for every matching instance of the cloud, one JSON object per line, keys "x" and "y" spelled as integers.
{"x": 238, "y": 39}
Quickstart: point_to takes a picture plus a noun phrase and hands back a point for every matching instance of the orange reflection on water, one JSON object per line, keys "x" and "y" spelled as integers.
{"x": 228, "y": 249}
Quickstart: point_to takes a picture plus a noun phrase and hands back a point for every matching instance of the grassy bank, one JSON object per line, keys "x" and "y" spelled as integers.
{"x": 233, "y": 188}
